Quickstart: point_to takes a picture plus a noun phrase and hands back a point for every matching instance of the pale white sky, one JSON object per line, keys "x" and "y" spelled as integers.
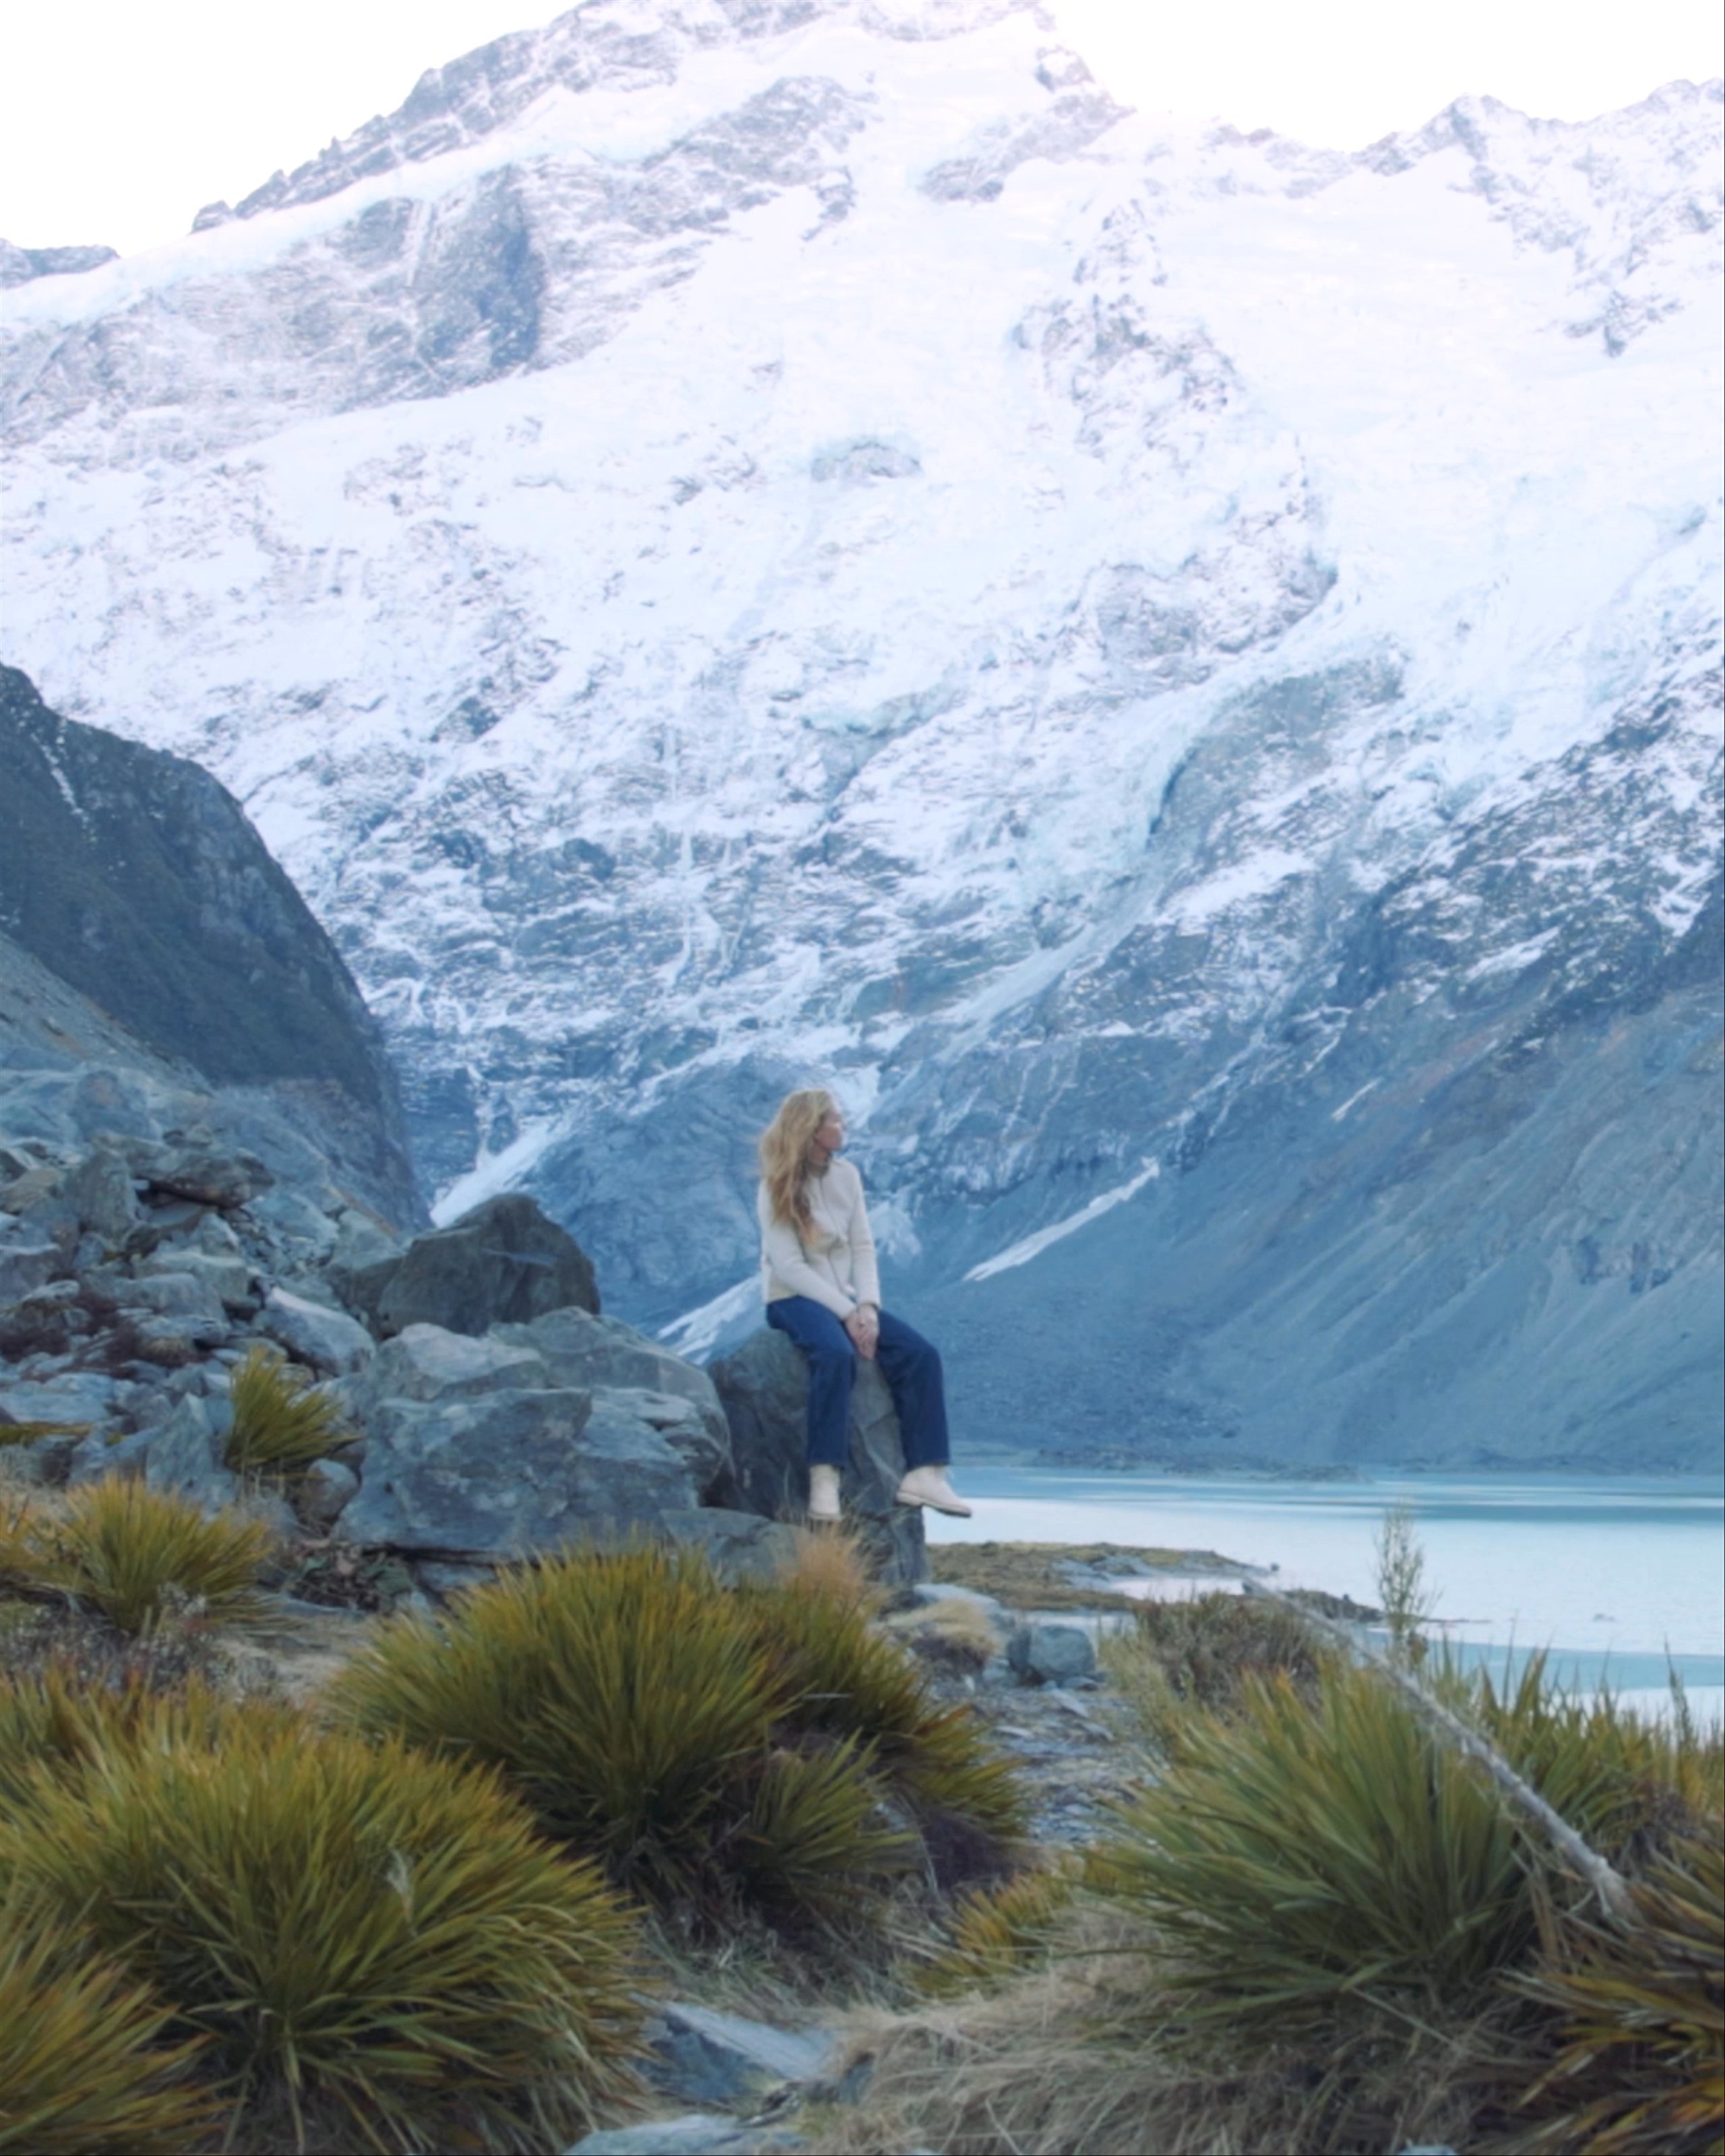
{"x": 122, "y": 119}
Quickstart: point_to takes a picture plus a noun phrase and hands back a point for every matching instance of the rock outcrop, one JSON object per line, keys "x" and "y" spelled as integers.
{"x": 764, "y": 1390}
{"x": 502, "y": 1264}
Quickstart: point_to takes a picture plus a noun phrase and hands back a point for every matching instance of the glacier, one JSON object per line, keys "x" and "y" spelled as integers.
{"x": 738, "y": 543}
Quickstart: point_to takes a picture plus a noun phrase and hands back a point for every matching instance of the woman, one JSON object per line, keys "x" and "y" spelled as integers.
{"x": 821, "y": 1287}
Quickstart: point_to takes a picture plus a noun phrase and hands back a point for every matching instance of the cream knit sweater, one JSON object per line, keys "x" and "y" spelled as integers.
{"x": 836, "y": 1265}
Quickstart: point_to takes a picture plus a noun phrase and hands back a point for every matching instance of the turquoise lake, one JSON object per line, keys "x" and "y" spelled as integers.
{"x": 1615, "y": 1575}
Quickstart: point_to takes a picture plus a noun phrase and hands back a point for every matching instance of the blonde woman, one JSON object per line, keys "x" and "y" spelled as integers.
{"x": 821, "y": 1287}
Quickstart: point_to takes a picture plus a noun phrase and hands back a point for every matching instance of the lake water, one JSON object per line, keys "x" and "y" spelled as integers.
{"x": 1613, "y": 1575}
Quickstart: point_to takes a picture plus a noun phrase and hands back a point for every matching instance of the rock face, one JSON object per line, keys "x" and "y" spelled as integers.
{"x": 136, "y": 879}
{"x": 19, "y": 265}
{"x": 502, "y": 1264}
{"x": 1239, "y": 816}
{"x": 764, "y": 1390}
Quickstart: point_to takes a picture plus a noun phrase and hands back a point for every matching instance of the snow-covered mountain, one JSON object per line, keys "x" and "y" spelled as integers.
{"x": 734, "y": 541}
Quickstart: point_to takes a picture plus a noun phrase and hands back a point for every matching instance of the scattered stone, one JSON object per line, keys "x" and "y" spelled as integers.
{"x": 24, "y": 1265}
{"x": 1050, "y": 1653}
{"x": 197, "y": 1170}
{"x": 100, "y": 1191}
{"x": 104, "y": 1453}
{"x": 76, "y": 1399}
{"x": 441, "y": 1579}
{"x": 182, "y": 1457}
{"x": 226, "y": 1277}
{"x": 763, "y": 1388}
{"x": 720, "y": 2058}
{"x": 325, "y": 1487}
{"x": 503, "y": 1263}
{"x": 330, "y": 1341}
{"x": 170, "y": 1294}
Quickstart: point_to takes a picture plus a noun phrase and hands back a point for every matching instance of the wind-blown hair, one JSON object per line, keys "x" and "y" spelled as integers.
{"x": 784, "y": 1154}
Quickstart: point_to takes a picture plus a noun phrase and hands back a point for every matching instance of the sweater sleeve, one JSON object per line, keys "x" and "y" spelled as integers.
{"x": 865, "y": 1269}
{"x": 782, "y": 1249}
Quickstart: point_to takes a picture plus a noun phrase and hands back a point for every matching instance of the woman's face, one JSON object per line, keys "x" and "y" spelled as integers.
{"x": 829, "y": 1136}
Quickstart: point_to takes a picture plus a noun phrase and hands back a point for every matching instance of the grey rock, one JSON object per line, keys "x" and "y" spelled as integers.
{"x": 704, "y": 1450}
{"x": 739, "y": 1546}
{"x": 764, "y": 1390}
{"x": 102, "y": 1454}
{"x": 325, "y": 1486}
{"x": 85, "y": 1398}
{"x": 362, "y": 1242}
{"x": 440, "y": 1579}
{"x": 509, "y": 1472}
{"x": 50, "y": 1458}
{"x": 1050, "y": 1653}
{"x": 425, "y": 1362}
{"x": 100, "y": 1191}
{"x": 503, "y": 1263}
{"x": 717, "y": 2058}
{"x": 328, "y": 1339}
{"x": 197, "y": 1170}
{"x": 183, "y": 1458}
{"x": 226, "y": 1275}
{"x": 25, "y": 1264}
{"x": 175, "y": 1294}
{"x": 694, "y": 2133}
{"x": 581, "y": 1347}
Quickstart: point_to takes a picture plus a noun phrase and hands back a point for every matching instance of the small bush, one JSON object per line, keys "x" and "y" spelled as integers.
{"x": 1200, "y": 1651}
{"x": 1641, "y": 2072}
{"x": 84, "y": 2066}
{"x": 710, "y": 1749}
{"x": 349, "y": 1926}
{"x": 53, "y": 1727}
{"x": 136, "y": 1554}
{"x": 282, "y": 1421}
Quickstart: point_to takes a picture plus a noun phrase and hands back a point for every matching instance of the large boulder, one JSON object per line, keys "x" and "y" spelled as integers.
{"x": 764, "y": 1390}
{"x": 330, "y": 1341}
{"x": 502, "y": 1474}
{"x": 503, "y": 1263}
{"x": 579, "y": 1348}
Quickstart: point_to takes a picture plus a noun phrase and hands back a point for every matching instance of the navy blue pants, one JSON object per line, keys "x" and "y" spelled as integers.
{"x": 910, "y": 1365}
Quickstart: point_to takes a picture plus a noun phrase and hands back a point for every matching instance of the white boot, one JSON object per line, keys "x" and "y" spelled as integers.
{"x": 928, "y": 1485}
{"x": 824, "y": 1493}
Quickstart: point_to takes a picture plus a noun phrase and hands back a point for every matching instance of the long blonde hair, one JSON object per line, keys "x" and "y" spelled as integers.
{"x": 784, "y": 1154}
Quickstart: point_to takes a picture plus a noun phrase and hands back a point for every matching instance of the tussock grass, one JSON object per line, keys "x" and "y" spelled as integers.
{"x": 134, "y": 1555}
{"x": 759, "y": 1749}
{"x": 282, "y": 1421}
{"x": 833, "y": 1561}
{"x": 956, "y": 1635}
{"x": 86, "y": 2067}
{"x": 999, "y": 1931}
{"x": 351, "y": 1928}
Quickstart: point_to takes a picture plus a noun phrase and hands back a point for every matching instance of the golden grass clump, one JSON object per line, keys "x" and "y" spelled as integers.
{"x": 282, "y": 1421}
{"x": 134, "y": 1554}
{"x": 357, "y": 1931}
{"x": 1641, "y": 2068}
{"x": 998, "y": 1931}
{"x": 86, "y": 2068}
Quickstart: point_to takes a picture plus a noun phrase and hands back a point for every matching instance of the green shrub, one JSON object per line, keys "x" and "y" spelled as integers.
{"x": 84, "y": 2067}
{"x": 710, "y": 1749}
{"x": 53, "y": 1728}
{"x": 136, "y": 1554}
{"x": 1641, "y": 2072}
{"x": 1198, "y": 1651}
{"x": 282, "y": 1421}
{"x": 349, "y": 1925}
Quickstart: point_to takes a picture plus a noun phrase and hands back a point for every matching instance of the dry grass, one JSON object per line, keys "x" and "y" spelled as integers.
{"x": 832, "y": 1561}
{"x": 1088, "y": 2054}
{"x": 953, "y": 1634}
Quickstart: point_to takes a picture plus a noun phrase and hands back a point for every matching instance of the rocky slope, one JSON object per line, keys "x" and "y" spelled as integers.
{"x": 135, "y": 878}
{"x": 726, "y": 542}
